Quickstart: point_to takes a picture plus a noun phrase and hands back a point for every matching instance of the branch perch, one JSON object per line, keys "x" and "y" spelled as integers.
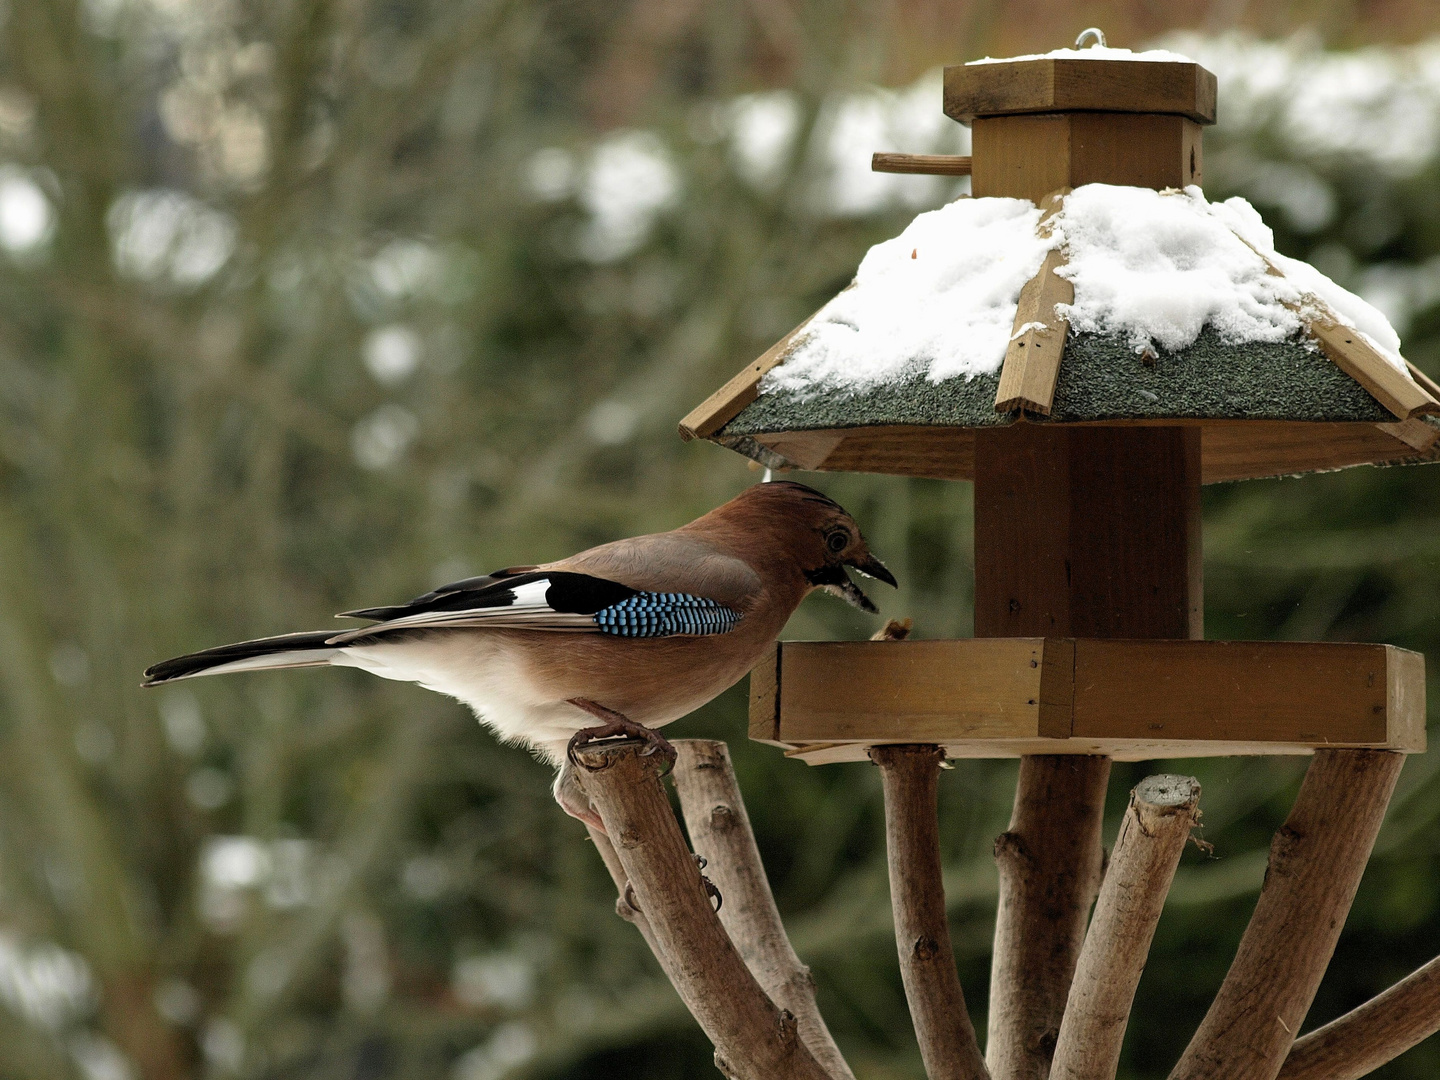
{"x": 1363, "y": 1039}
{"x": 753, "y": 1039}
{"x": 720, "y": 830}
{"x": 1316, "y": 860}
{"x": 922, "y": 933}
{"x": 623, "y": 907}
{"x": 1050, "y": 866}
{"x": 1163, "y": 810}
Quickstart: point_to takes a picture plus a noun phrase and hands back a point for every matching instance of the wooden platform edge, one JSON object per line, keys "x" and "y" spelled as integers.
{"x": 1277, "y": 698}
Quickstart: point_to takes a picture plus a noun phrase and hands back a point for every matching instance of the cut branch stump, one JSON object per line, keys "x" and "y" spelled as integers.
{"x": 1163, "y": 810}
{"x": 1316, "y": 861}
{"x": 753, "y": 1039}
{"x": 922, "y": 932}
{"x": 1050, "y": 863}
{"x": 720, "y": 830}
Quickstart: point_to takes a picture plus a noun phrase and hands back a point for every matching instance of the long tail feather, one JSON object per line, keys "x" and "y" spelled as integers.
{"x": 263, "y": 654}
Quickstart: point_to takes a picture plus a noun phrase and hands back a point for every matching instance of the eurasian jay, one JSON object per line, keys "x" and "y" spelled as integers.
{"x": 637, "y": 633}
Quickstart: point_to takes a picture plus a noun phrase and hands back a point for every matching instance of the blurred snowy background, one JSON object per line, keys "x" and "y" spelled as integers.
{"x": 315, "y": 304}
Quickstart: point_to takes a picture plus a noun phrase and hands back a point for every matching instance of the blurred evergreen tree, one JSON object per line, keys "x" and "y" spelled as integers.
{"x": 310, "y": 305}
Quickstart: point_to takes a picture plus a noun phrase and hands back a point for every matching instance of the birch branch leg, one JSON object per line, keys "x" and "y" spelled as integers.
{"x": 753, "y": 1039}
{"x": 1316, "y": 860}
{"x": 1365, "y": 1038}
{"x": 1050, "y": 864}
{"x": 720, "y": 830}
{"x": 1163, "y": 810}
{"x": 922, "y": 932}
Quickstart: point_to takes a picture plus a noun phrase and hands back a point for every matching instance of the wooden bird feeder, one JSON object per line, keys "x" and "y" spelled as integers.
{"x": 1087, "y": 454}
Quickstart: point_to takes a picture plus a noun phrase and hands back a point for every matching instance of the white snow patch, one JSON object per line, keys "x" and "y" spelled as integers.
{"x": 939, "y": 298}
{"x": 1094, "y": 52}
{"x": 1153, "y": 268}
{"x": 1377, "y": 106}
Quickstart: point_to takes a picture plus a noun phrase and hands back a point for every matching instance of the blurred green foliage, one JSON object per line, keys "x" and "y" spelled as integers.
{"x": 310, "y": 305}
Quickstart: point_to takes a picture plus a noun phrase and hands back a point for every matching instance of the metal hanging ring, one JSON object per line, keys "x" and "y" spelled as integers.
{"x": 1091, "y": 31}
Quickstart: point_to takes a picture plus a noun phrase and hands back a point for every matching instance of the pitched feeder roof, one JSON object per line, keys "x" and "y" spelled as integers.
{"x": 1107, "y": 305}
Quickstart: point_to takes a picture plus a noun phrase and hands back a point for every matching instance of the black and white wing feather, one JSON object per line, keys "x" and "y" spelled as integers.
{"x": 549, "y": 600}
{"x": 522, "y": 598}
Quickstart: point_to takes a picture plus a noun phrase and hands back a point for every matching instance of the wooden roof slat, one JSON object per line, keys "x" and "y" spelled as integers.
{"x": 1386, "y": 383}
{"x": 1405, "y": 397}
{"x": 725, "y": 404}
{"x": 1037, "y": 337}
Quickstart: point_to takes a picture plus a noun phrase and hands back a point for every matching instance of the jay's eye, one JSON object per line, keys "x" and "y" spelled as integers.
{"x": 837, "y": 541}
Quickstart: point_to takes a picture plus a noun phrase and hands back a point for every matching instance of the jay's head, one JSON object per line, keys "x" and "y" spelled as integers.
{"x": 819, "y": 535}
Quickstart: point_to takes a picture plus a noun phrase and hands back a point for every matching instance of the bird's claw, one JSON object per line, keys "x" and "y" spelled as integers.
{"x": 712, "y": 892}
{"x": 617, "y": 726}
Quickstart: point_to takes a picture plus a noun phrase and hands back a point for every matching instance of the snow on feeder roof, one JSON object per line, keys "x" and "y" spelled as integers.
{"x": 1089, "y": 281}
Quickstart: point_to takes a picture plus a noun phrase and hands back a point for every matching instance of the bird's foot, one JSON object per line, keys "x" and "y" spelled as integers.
{"x": 616, "y": 726}
{"x": 572, "y": 798}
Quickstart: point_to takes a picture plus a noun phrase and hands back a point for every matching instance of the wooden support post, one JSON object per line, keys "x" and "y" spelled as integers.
{"x": 1163, "y": 810}
{"x": 720, "y": 831}
{"x": 922, "y": 932}
{"x": 1362, "y": 1040}
{"x": 1050, "y": 863}
{"x": 1083, "y": 532}
{"x": 1316, "y": 861}
{"x": 753, "y": 1039}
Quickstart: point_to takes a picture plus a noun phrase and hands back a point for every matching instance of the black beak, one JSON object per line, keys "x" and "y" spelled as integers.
{"x": 873, "y": 567}
{"x": 835, "y": 581}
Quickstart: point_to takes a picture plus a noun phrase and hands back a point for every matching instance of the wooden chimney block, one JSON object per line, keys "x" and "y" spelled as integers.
{"x": 1133, "y": 700}
{"x": 1027, "y": 157}
{"x": 1051, "y": 84}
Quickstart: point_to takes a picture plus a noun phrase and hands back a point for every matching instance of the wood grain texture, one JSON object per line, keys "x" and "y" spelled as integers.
{"x": 1027, "y": 157}
{"x": 1049, "y": 861}
{"x": 1357, "y": 358}
{"x": 753, "y": 1039}
{"x": 1230, "y": 449}
{"x": 724, "y": 404}
{"x": 1037, "y": 335}
{"x": 1416, "y": 434}
{"x": 1234, "y": 691}
{"x": 1358, "y": 1043}
{"x": 1020, "y": 157}
{"x": 995, "y": 697}
{"x": 1153, "y": 834}
{"x": 1061, "y": 84}
{"x": 1065, "y": 548}
{"x": 765, "y": 698}
{"x": 917, "y": 691}
{"x": 923, "y": 164}
{"x": 719, "y": 829}
{"x": 1247, "y": 449}
{"x": 922, "y": 930}
{"x": 1429, "y": 385}
{"x": 1316, "y": 861}
{"x": 1091, "y": 532}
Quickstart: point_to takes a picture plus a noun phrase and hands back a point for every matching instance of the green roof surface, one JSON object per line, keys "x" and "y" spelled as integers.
{"x": 1101, "y": 378}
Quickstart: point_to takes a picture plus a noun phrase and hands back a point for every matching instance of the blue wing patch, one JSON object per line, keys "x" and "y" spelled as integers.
{"x": 648, "y": 614}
